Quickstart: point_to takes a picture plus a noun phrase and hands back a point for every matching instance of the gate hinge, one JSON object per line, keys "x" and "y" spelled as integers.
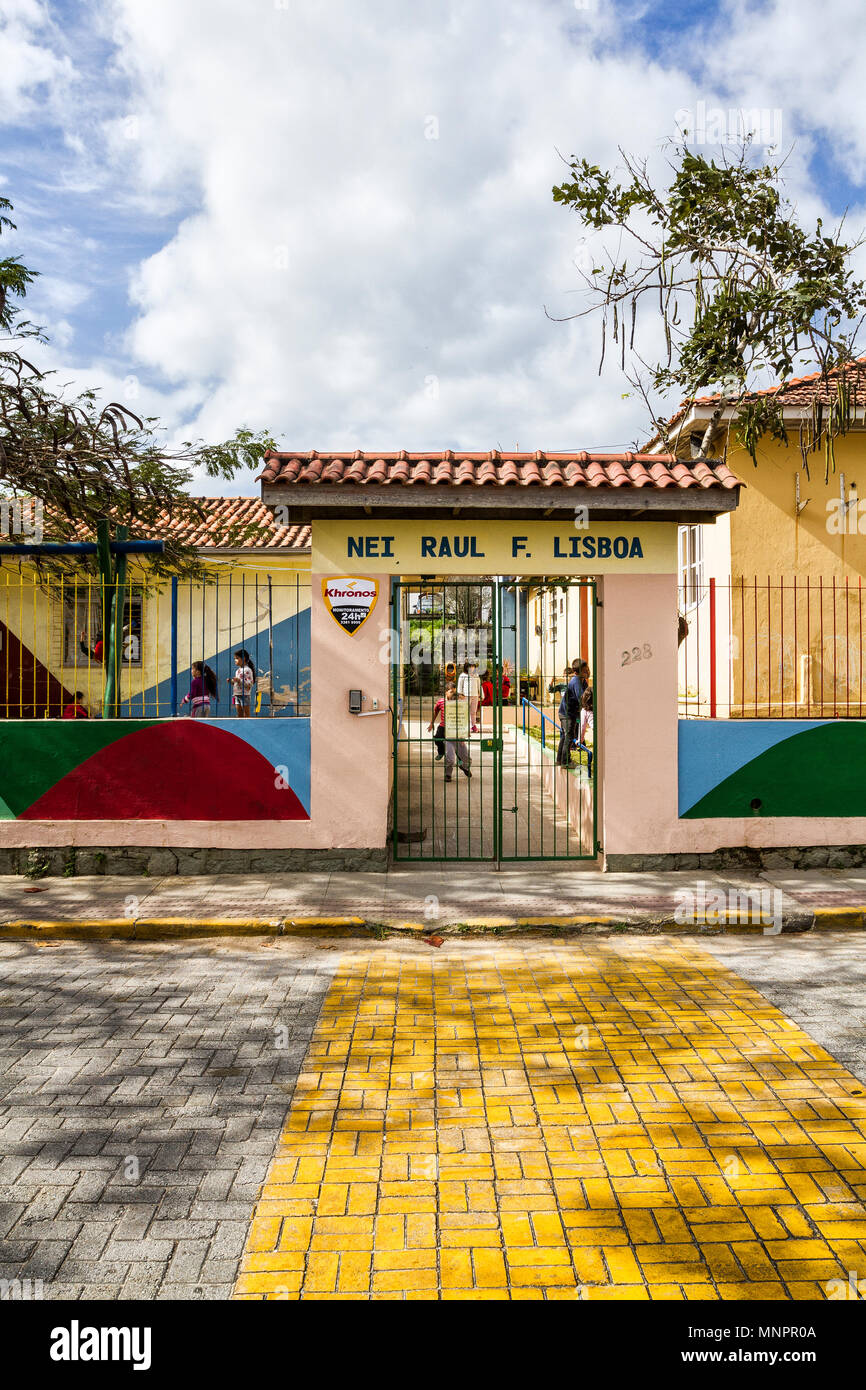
{"x": 598, "y": 603}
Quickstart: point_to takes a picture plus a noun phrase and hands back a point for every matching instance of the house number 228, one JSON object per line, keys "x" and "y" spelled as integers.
{"x": 637, "y": 654}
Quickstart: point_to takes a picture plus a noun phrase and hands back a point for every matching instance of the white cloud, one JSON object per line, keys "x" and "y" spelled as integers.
{"x": 375, "y": 210}
{"x": 369, "y": 238}
{"x": 772, "y": 56}
{"x": 30, "y": 68}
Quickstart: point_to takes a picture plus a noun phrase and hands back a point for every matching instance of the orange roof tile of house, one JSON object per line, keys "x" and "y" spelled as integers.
{"x": 458, "y": 468}
{"x": 238, "y": 523}
{"x": 224, "y": 516}
{"x": 798, "y": 392}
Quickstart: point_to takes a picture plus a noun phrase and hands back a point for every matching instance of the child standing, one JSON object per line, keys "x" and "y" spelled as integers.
{"x": 242, "y": 683}
{"x": 587, "y": 723}
{"x": 469, "y": 687}
{"x": 202, "y": 689}
{"x": 437, "y": 723}
{"x": 456, "y": 749}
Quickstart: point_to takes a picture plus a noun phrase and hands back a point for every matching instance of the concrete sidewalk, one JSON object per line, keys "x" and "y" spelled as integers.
{"x": 443, "y": 898}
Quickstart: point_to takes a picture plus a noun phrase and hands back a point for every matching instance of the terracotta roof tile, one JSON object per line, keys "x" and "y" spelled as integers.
{"x": 492, "y": 469}
{"x": 798, "y": 392}
{"x": 225, "y": 522}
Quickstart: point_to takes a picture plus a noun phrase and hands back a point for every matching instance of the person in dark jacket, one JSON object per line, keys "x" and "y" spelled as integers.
{"x": 569, "y": 711}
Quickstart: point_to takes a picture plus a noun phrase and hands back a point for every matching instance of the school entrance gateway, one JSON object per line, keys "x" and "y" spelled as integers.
{"x": 498, "y": 792}
{"x": 512, "y": 566}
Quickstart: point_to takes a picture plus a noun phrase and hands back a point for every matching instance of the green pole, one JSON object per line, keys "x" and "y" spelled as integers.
{"x": 112, "y": 634}
{"x": 103, "y": 560}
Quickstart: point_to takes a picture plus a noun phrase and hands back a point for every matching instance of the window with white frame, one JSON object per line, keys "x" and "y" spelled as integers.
{"x": 691, "y": 565}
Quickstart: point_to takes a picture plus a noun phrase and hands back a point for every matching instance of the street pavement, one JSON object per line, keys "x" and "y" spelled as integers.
{"x": 532, "y": 1118}
{"x": 142, "y": 1092}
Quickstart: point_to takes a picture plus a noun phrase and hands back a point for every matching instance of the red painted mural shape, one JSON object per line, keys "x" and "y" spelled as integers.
{"x": 170, "y": 772}
{"x": 27, "y": 688}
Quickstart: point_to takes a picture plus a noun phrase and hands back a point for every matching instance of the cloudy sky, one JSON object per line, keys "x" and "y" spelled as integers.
{"x": 334, "y": 220}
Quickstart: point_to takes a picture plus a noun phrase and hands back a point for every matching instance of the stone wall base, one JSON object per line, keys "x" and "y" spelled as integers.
{"x": 159, "y": 862}
{"x": 744, "y": 860}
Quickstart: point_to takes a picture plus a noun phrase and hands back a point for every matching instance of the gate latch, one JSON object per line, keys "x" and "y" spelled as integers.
{"x": 491, "y": 745}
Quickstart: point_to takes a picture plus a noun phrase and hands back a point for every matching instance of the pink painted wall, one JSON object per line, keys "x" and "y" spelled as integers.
{"x": 351, "y": 758}
{"x": 637, "y": 732}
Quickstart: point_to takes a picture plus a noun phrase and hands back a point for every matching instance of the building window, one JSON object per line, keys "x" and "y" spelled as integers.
{"x": 82, "y": 613}
{"x": 691, "y": 565}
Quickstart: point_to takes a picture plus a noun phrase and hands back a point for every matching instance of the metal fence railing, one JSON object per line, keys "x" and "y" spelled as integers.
{"x": 774, "y": 648}
{"x": 54, "y": 654}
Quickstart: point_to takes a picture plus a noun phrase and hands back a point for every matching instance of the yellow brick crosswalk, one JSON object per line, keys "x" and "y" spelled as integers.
{"x": 608, "y": 1119}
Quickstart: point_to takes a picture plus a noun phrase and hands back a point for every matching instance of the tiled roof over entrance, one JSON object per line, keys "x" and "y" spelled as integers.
{"x": 455, "y": 468}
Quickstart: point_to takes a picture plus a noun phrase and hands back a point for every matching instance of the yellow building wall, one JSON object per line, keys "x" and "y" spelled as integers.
{"x": 792, "y": 643}
{"x": 767, "y": 534}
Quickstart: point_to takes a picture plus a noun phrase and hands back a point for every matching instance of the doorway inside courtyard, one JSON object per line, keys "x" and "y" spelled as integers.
{"x": 483, "y": 770}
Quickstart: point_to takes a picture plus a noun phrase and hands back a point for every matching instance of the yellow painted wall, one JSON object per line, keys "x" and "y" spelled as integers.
{"x": 792, "y": 651}
{"x": 767, "y": 537}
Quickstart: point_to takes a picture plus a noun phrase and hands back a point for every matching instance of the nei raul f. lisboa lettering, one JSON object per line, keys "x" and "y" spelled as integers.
{"x": 460, "y": 547}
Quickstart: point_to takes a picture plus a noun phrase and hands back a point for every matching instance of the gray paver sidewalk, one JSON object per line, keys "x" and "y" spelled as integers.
{"x": 441, "y": 895}
{"x": 142, "y": 1092}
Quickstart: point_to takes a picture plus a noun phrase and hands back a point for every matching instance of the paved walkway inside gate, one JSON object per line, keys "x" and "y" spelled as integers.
{"x": 590, "y": 1120}
{"x": 543, "y": 816}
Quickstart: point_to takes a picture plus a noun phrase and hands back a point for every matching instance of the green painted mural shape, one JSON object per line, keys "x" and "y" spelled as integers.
{"x": 819, "y": 772}
{"x": 42, "y": 751}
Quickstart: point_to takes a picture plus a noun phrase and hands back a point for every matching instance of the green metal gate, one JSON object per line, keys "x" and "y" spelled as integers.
{"x": 492, "y": 790}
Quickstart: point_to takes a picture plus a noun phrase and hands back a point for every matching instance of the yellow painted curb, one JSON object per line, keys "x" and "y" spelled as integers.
{"x": 120, "y": 927}
{"x": 303, "y": 924}
{"x": 826, "y": 918}
{"x": 482, "y": 923}
{"x": 154, "y": 928}
{"x": 551, "y": 921}
{"x": 150, "y": 928}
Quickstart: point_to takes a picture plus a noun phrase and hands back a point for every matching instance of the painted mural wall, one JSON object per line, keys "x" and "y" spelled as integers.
{"x": 146, "y": 769}
{"x": 771, "y": 767}
{"x": 263, "y": 607}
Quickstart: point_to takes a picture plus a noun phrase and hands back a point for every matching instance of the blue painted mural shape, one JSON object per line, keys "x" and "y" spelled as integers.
{"x": 771, "y": 767}
{"x": 291, "y": 639}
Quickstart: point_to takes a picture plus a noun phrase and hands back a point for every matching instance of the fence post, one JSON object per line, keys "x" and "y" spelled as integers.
{"x": 173, "y": 646}
{"x": 712, "y": 648}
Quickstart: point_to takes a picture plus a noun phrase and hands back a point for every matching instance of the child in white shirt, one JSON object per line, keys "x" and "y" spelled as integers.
{"x": 469, "y": 685}
{"x": 242, "y": 683}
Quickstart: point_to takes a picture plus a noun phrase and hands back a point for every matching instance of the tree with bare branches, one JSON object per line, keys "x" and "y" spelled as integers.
{"x": 741, "y": 291}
